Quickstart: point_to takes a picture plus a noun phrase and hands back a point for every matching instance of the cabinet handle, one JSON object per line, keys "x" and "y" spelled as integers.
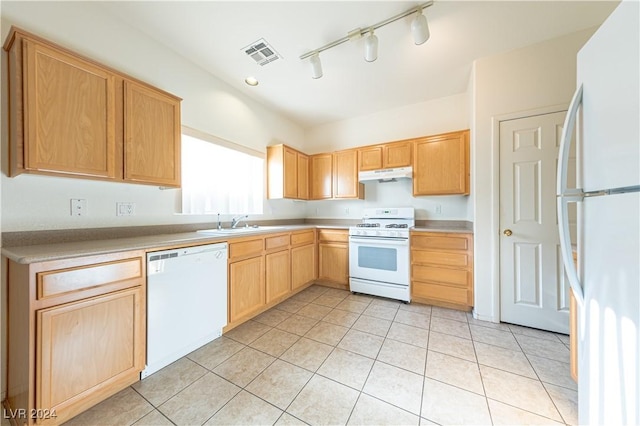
{"x": 507, "y": 232}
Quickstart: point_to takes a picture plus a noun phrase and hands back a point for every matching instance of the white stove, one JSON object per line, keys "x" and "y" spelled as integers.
{"x": 379, "y": 253}
{"x": 383, "y": 222}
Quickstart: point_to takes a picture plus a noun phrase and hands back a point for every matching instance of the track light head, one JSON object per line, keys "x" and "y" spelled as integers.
{"x": 316, "y": 66}
{"x": 420, "y": 28}
{"x": 371, "y": 47}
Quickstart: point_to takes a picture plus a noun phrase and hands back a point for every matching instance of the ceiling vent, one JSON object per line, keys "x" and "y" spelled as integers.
{"x": 261, "y": 52}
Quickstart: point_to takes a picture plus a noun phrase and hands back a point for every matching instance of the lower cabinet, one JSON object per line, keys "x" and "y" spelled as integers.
{"x": 264, "y": 270}
{"x": 333, "y": 257}
{"x": 77, "y": 330}
{"x": 442, "y": 269}
{"x": 303, "y": 265}
{"x": 246, "y": 287}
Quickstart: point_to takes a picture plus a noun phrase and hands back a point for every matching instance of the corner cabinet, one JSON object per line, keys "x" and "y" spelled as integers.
{"x": 441, "y": 164}
{"x": 77, "y": 330}
{"x": 71, "y": 116}
{"x": 287, "y": 173}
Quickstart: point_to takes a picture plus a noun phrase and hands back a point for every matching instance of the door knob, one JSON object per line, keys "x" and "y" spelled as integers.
{"x": 507, "y": 232}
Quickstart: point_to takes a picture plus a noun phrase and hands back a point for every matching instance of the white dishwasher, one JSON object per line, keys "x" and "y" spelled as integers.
{"x": 186, "y": 302}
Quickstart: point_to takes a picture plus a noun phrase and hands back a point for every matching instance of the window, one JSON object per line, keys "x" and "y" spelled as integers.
{"x": 217, "y": 179}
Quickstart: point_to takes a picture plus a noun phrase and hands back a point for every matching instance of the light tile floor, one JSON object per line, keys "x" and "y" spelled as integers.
{"x": 326, "y": 356}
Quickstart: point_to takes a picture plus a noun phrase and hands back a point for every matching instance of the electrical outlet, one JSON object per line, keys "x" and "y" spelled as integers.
{"x": 78, "y": 207}
{"x": 438, "y": 209}
{"x": 125, "y": 209}
{"x": 346, "y": 210}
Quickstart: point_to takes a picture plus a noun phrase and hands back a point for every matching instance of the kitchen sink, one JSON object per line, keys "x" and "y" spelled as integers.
{"x": 240, "y": 230}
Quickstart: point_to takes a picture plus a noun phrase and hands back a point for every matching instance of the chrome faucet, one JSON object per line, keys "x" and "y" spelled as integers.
{"x": 238, "y": 219}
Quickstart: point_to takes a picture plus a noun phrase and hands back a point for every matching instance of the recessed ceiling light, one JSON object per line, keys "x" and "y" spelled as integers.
{"x": 251, "y": 81}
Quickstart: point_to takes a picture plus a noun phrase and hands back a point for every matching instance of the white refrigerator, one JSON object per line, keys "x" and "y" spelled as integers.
{"x": 605, "y": 115}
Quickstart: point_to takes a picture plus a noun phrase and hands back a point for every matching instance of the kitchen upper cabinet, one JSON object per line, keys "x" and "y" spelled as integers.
{"x": 321, "y": 176}
{"x": 151, "y": 136}
{"x": 77, "y": 330}
{"x": 442, "y": 269}
{"x": 441, "y": 164}
{"x": 385, "y": 156}
{"x": 71, "y": 116}
{"x": 287, "y": 173}
{"x": 345, "y": 175}
{"x": 62, "y": 113}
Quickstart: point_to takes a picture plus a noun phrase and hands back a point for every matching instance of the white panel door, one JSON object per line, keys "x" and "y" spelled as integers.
{"x": 533, "y": 289}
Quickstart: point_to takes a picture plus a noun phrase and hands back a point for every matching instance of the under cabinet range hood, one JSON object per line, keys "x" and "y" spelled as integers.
{"x": 386, "y": 175}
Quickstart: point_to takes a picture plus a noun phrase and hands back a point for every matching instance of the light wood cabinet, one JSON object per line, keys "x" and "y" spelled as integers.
{"x": 277, "y": 275}
{"x": 321, "y": 176}
{"x": 441, "y": 164}
{"x": 264, "y": 270}
{"x": 246, "y": 287}
{"x": 247, "y": 292}
{"x": 303, "y": 258}
{"x": 442, "y": 269}
{"x": 77, "y": 333}
{"x": 71, "y": 116}
{"x": 151, "y": 136}
{"x": 385, "y": 156}
{"x": 287, "y": 173}
{"x": 333, "y": 257}
{"x": 345, "y": 175}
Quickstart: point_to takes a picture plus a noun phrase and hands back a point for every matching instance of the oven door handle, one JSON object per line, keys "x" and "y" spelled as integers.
{"x": 387, "y": 241}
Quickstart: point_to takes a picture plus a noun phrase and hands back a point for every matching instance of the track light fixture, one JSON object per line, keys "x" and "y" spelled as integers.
{"x": 371, "y": 47}
{"x": 419, "y": 31}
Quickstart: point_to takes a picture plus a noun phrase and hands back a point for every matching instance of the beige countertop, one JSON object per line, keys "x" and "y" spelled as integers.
{"x": 55, "y": 251}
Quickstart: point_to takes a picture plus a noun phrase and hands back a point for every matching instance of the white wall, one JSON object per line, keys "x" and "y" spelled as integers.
{"x": 410, "y": 121}
{"x": 535, "y": 77}
{"x": 31, "y": 202}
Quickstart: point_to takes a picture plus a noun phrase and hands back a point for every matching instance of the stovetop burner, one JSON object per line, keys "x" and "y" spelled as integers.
{"x": 368, "y": 225}
{"x": 397, "y": 225}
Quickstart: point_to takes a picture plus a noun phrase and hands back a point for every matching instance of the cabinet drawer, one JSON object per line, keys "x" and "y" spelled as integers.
{"x": 306, "y": 237}
{"x": 246, "y": 248}
{"x": 454, "y": 277}
{"x": 444, "y": 293}
{"x": 443, "y": 241}
{"x": 440, "y": 258}
{"x": 336, "y": 235}
{"x": 278, "y": 241}
{"x": 54, "y": 283}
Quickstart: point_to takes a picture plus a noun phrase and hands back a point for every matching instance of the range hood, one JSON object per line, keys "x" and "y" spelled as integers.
{"x": 386, "y": 175}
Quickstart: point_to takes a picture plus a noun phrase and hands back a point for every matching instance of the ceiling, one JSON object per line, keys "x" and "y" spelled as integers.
{"x": 212, "y": 34}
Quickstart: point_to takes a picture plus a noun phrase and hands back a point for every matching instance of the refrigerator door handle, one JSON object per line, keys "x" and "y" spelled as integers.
{"x": 565, "y": 247}
{"x": 565, "y": 144}
{"x": 566, "y": 195}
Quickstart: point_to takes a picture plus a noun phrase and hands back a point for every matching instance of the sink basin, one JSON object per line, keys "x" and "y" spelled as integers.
{"x": 239, "y": 230}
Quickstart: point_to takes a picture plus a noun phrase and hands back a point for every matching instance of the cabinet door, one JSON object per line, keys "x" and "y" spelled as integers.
{"x": 303, "y": 176}
{"x": 321, "y": 176}
{"x": 345, "y": 175}
{"x": 290, "y": 161}
{"x": 397, "y": 154}
{"x": 151, "y": 136}
{"x": 441, "y": 164}
{"x": 69, "y": 117}
{"x": 370, "y": 158}
{"x": 246, "y": 287}
{"x": 87, "y": 345}
{"x": 277, "y": 274}
{"x": 303, "y": 265}
{"x": 333, "y": 262}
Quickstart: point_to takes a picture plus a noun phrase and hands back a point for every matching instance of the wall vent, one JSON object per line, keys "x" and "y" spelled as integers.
{"x": 262, "y": 52}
